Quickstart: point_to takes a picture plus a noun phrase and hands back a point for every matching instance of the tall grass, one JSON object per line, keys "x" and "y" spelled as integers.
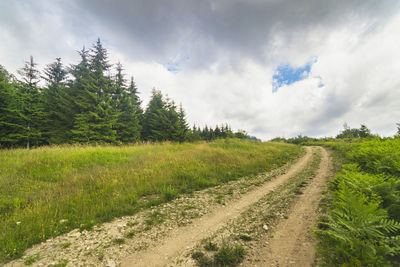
{"x": 50, "y": 190}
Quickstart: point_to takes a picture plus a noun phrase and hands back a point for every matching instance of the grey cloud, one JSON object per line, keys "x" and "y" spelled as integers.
{"x": 334, "y": 108}
{"x": 208, "y": 31}
{"x": 160, "y": 29}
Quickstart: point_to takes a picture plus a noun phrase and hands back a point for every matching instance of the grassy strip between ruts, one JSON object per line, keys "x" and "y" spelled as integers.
{"x": 49, "y": 191}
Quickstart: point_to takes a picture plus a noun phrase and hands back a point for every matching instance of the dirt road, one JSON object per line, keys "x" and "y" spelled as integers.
{"x": 294, "y": 230}
{"x": 292, "y": 243}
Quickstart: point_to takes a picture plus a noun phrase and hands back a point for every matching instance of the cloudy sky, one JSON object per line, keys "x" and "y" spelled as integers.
{"x": 271, "y": 67}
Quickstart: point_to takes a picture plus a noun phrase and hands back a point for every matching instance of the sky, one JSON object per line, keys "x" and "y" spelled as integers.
{"x": 270, "y": 67}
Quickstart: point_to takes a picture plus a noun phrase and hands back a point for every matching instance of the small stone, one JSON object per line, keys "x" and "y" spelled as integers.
{"x": 265, "y": 227}
{"x": 110, "y": 263}
{"x": 75, "y": 234}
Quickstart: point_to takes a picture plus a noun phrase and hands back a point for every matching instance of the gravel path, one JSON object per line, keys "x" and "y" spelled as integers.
{"x": 292, "y": 243}
{"x": 183, "y": 239}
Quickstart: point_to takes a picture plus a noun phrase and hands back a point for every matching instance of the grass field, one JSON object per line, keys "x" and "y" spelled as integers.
{"x": 51, "y": 190}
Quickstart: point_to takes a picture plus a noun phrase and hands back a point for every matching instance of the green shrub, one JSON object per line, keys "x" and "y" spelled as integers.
{"x": 358, "y": 228}
{"x": 362, "y": 227}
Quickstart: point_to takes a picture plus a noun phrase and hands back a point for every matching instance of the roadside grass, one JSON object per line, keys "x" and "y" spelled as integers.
{"x": 49, "y": 191}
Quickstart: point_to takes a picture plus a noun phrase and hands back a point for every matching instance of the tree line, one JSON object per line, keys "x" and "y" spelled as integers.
{"x": 89, "y": 102}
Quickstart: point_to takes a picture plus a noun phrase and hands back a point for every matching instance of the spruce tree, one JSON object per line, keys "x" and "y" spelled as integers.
{"x": 83, "y": 97}
{"x": 97, "y": 118}
{"x": 172, "y": 122}
{"x": 32, "y": 104}
{"x": 155, "y": 120}
{"x": 11, "y": 125}
{"x": 133, "y": 91}
{"x": 119, "y": 85}
{"x": 56, "y": 103}
{"x": 125, "y": 101}
{"x": 205, "y": 133}
{"x": 195, "y": 134}
{"x": 217, "y": 132}
{"x": 184, "y": 131}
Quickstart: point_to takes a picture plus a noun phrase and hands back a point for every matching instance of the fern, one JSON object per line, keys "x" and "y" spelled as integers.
{"x": 357, "y": 229}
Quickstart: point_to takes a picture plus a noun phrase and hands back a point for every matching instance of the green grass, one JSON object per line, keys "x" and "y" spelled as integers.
{"x": 229, "y": 256}
{"x": 32, "y": 259}
{"x": 48, "y": 191}
{"x": 66, "y": 245}
{"x": 210, "y": 246}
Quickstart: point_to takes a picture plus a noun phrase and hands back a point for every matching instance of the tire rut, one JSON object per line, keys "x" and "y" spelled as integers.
{"x": 183, "y": 239}
{"x": 292, "y": 243}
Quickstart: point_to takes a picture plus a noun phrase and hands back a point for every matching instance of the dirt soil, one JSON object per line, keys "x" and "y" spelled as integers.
{"x": 292, "y": 243}
{"x": 168, "y": 234}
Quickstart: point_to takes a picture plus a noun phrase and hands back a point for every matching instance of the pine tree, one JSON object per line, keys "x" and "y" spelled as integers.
{"x": 161, "y": 119}
{"x": 119, "y": 85}
{"x": 134, "y": 93}
{"x": 154, "y": 119}
{"x": 83, "y": 98}
{"x": 184, "y": 131}
{"x": 56, "y": 103}
{"x": 97, "y": 118}
{"x": 211, "y": 135}
{"x": 32, "y": 105}
{"x": 125, "y": 99}
{"x": 223, "y": 132}
{"x": 228, "y": 131}
{"x": 205, "y": 133}
{"x": 174, "y": 131}
{"x": 217, "y": 132}
{"x": 195, "y": 135}
{"x": 11, "y": 124}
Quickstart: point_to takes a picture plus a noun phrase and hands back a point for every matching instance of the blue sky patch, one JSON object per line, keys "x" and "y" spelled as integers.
{"x": 176, "y": 63}
{"x": 286, "y": 74}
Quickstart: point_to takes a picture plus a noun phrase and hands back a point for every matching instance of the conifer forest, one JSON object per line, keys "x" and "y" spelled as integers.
{"x": 91, "y": 102}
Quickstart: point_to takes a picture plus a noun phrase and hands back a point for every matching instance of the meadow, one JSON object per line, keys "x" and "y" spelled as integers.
{"x": 48, "y": 191}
